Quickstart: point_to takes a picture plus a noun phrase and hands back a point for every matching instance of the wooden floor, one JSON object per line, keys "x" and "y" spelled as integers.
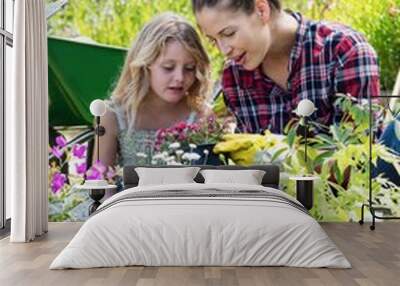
{"x": 374, "y": 255}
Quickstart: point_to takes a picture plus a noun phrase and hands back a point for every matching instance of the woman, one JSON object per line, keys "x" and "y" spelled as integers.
{"x": 165, "y": 80}
{"x": 276, "y": 58}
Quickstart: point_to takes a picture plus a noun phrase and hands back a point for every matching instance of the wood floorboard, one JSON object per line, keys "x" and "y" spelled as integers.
{"x": 374, "y": 255}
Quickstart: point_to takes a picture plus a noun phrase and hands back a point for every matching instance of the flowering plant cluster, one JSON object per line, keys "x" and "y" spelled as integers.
{"x": 186, "y": 144}
{"x": 177, "y": 156}
{"x": 67, "y": 167}
{"x": 205, "y": 131}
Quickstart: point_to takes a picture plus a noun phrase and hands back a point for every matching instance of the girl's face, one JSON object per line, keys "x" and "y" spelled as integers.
{"x": 172, "y": 73}
{"x": 239, "y": 36}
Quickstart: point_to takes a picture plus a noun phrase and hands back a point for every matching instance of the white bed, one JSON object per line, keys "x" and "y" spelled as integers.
{"x": 223, "y": 225}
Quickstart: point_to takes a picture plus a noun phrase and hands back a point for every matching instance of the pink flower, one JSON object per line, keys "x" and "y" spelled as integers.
{"x": 180, "y": 126}
{"x": 79, "y": 151}
{"x": 57, "y": 152}
{"x": 161, "y": 133}
{"x": 57, "y": 182}
{"x": 80, "y": 168}
{"x": 194, "y": 127}
{"x": 61, "y": 141}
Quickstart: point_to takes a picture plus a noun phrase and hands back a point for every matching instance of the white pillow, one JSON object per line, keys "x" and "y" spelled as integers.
{"x": 164, "y": 176}
{"x": 248, "y": 177}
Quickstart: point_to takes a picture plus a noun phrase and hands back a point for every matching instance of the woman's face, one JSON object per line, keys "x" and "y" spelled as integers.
{"x": 172, "y": 73}
{"x": 239, "y": 36}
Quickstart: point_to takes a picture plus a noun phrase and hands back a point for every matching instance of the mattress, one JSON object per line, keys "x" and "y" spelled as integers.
{"x": 201, "y": 225}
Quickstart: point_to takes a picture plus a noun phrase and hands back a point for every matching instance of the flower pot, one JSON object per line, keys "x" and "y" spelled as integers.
{"x": 206, "y": 159}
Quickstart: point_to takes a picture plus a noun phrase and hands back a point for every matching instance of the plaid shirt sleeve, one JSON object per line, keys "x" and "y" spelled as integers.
{"x": 358, "y": 71}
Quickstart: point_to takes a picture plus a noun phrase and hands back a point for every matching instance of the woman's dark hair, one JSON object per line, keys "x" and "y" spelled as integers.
{"x": 246, "y": 5}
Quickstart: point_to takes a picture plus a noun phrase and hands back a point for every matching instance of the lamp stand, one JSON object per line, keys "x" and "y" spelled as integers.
{"x": 99, "y": 131}
{"x": 305, "y": 139}
{"x": 370, "y": 204}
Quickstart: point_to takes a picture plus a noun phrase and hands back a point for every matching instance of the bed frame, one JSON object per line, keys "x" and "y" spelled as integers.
{"x": 270, "y": 179}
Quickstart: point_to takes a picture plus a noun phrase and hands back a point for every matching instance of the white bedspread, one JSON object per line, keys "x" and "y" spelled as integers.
{"x": 182, "y": 231}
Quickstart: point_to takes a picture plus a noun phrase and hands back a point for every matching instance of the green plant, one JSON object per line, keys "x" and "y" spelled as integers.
{"x": 116, "y": 22}
{"x": 339, "y": 157}
{"x": 379, "y": 21}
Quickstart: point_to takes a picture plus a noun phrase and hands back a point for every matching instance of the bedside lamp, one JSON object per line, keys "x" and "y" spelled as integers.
{"x": 304, "y": 184}
{"x": 97, "y": 188}
{"x": 98, "y": 109}
{"x": 304, "y": 109}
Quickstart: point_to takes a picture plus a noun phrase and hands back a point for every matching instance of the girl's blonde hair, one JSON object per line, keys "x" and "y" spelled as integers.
{"x": 134, "y": 82}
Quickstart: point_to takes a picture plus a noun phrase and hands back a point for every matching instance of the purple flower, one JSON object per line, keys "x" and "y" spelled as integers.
{"x": 57, "y": 152}
{"x": 57, "y": 182}
{"x": 80, "y": 168}
{"x": 61, "y": 141}
{"x": 79, "y": 150}
{"x": 110, "y": 173}
{"x": 96, "y": 172}
{"x": 93, "y": 174}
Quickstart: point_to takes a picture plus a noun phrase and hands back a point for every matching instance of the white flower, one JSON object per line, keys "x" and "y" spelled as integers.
{"x": 191, "y": 156}
{"x": 192, "y": 146}
{"x": 170, "y": 159}
{"x": 174, "y": 145}
{"x": 179, "y": 152}
{"x": 141, "y": 155}
{"x": 206, "y": 152}
{"x": 160, "y": 156}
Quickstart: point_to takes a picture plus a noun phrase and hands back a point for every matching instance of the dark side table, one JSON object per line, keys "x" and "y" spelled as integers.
{"x": 96, "y": 193}
{"x": 304, "y": 190}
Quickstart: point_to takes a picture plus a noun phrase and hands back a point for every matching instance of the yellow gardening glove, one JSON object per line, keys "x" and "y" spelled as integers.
{"x": 241, "y": 147}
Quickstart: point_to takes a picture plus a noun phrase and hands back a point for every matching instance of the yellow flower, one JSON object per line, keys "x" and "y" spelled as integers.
{"x": 243, "y": 147}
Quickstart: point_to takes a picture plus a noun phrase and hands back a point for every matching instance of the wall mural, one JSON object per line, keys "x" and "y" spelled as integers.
{"x": 306, "y": 141}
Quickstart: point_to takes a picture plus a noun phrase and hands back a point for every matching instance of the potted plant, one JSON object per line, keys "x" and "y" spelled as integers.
{"x": 190, "y": 144}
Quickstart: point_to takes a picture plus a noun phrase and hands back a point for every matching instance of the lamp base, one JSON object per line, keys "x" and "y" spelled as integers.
{"x": 304, "y": 193}
{"x": 96, "y": 195}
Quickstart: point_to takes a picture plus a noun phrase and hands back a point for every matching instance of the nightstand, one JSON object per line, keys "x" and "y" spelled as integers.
{"x": 96, "y": 193}
{"x": 304, "y": 190}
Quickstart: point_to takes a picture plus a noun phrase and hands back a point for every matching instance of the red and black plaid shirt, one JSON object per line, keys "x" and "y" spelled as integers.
{"x": 326, "y": 59}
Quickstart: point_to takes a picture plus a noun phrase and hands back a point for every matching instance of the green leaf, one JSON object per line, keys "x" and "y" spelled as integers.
{"x": 291, "y": 137}
{"x": 322, "y": 157}
{"x": 338, "y": 174}
{"x": 278, "y": 153}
